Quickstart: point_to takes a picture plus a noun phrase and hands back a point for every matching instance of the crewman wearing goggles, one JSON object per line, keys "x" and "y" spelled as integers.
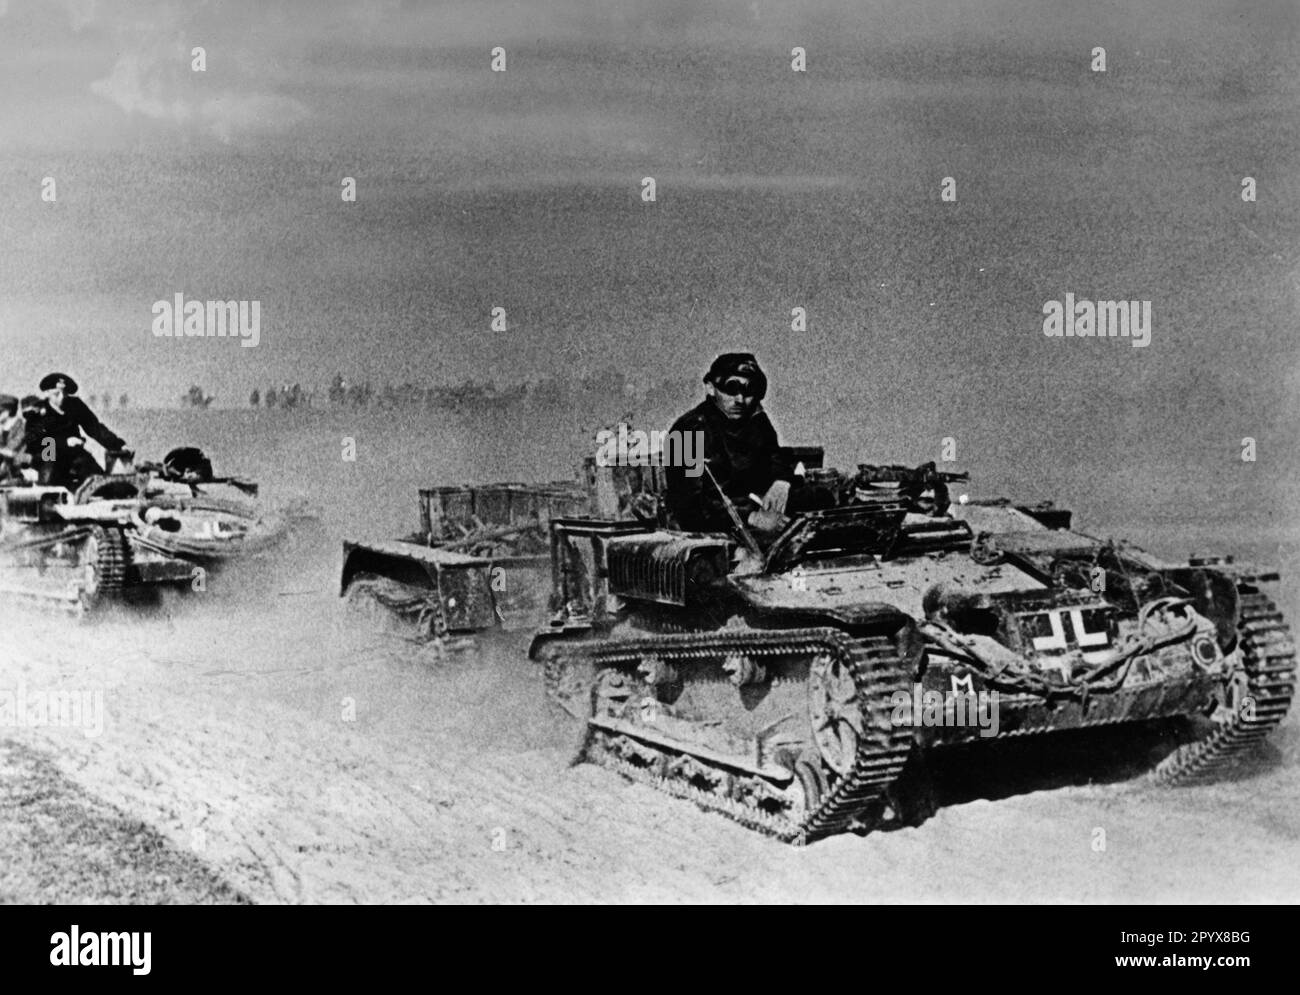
{"x": 742, "y": 453}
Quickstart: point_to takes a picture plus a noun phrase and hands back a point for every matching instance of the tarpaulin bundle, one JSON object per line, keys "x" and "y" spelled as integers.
{"x": 206, "y": 528}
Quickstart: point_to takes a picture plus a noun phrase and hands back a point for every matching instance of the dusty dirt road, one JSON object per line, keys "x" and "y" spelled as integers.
{"x": 304, "y": 763}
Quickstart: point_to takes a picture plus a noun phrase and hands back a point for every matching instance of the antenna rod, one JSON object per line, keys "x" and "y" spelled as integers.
{"x": 750, "y": 542}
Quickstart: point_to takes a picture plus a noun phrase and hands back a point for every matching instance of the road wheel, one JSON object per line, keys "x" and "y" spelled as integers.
{"x": 364, "y": 606}
{"x": 806, "y": 789}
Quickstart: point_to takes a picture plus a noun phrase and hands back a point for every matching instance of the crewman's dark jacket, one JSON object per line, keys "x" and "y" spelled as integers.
{"x": 744, "y": 456}
{"x": 13, "y": 449}
{"x": 71, "y": 464}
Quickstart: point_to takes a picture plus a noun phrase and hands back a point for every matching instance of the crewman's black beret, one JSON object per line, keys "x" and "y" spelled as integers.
{"x": 738, "y": 364}
{"x": 51, "y": 380}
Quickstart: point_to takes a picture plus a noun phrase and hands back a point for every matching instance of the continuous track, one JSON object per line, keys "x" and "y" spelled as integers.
{"x": 808, "y": 800}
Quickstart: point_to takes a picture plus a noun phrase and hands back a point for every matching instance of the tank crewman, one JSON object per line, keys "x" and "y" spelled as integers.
{"x": 13, "y": 451}
{"x": 63, "y": 419}
{"x": 741, "y": 451}
{"x": 31, "y": 408}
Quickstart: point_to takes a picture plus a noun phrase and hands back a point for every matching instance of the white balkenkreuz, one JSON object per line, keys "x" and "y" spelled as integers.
{"x": 1063, "y": 629}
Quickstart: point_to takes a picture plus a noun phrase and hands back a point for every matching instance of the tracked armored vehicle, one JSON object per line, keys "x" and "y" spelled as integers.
{"x": 800, "y": 686}
{"x": 124, "y": 534}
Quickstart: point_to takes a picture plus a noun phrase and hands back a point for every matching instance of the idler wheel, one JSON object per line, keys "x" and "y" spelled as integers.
{"x": 570, "y": 683}
{"x": 836, "y": 718}
{"x": 102, "y": 561}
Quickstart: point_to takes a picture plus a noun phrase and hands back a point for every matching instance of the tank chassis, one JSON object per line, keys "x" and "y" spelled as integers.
{"x": 800, "y": 692}
{"x": 130, "y": 531}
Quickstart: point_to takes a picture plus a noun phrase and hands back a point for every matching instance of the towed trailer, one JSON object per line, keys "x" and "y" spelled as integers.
{"x": 481, "y": 559}
{"x": 484, "y": 554}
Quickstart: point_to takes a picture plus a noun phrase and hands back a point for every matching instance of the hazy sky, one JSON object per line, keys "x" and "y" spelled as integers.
{"x": 776, "y": 189}
{"x": 83, "y": 75}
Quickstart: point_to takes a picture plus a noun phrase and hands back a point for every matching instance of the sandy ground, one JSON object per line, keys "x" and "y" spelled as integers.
{"x": 62, "y": 845}
{"x": 306, "y": 762}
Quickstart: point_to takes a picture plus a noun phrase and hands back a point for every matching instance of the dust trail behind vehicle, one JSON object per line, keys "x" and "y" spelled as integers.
{"x": 313, "y": 763}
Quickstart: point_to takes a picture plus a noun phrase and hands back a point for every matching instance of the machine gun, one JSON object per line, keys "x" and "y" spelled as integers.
{"x": 913, "y": 484}
{"x": 190, "y": 466}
